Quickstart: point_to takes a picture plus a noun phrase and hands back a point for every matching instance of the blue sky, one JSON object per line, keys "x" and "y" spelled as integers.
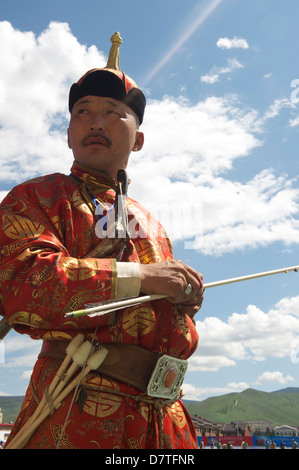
{"x": 221, "y": 139}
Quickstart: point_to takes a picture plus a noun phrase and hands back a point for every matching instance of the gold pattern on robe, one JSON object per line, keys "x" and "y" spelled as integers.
{"x": 144, "y": 410}
{"x": 80, "y": 298}
{"x": 138, "y": 321}
{"x": 39, "y": 277}
{"x": 147, "y": 252}
{"x": 15, "y": 227}
{"x": 177, "y": 414}
{"x": 99, "y": 403}
{"x": 64, "y": 439}
{"x": 79, "y": 202}
{"x": 56, "y": 221}
{"x": 8, "y": 249}
{"x": 29, "y": 318}
{"x": 183, "y": 327}
{"x": 60, "y": 335}
{"x": 30, "y": 252}
{"x": 6, "y": 274}
{"x": 17, "y": 202}
{"x": 74, "y": 272}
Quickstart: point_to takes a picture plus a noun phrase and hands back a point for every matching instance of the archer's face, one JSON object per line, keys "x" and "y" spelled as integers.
{"x": 102, "y": 133}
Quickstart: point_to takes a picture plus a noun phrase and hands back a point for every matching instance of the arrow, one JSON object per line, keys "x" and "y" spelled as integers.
{"x": 111, "y": 305}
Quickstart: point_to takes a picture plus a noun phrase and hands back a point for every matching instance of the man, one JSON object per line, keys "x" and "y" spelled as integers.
{"x": 51, "y": 266}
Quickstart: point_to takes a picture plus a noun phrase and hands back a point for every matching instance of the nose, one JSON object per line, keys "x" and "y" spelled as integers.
{"x": 97, "y": 121}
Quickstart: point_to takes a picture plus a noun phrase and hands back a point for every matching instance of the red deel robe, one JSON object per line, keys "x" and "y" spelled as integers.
{"x": 48, "y": 229}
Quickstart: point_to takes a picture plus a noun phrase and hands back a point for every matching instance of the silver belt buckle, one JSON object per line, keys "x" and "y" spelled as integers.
{"x": 167, "y": 377}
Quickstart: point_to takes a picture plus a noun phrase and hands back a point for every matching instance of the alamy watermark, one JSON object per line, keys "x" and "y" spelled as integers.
{"x": 180, "y": 221}
{"x": 295, "y": 92}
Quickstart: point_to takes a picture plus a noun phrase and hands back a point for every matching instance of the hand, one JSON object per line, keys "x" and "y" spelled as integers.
{"x": 171, "y": 278}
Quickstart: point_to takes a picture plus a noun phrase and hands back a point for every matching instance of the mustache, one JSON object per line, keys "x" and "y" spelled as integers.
{"x": 94, "y": 136}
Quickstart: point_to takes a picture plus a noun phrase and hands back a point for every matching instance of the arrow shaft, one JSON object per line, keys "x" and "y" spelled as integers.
{"x": 250, "y": 276}
{"x": 118, "y": 304}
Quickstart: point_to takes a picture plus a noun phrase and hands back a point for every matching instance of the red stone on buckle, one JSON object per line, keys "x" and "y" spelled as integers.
{"x": 170, "y": 378}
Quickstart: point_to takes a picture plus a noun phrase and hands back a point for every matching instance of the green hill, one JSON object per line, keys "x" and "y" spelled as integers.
{"x": 281, "y": 407}
{"x": 10, "y": 407}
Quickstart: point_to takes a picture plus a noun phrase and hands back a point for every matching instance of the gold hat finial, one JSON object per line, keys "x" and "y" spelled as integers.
{"x": 113, "y": 59}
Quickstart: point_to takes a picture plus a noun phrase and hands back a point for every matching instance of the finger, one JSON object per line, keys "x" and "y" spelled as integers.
{"x": 193, "y": 293}
{"x": 197, "y": 300}
{"x": 194, "y": 278}
{"x": 189, "y": 310}
{"x": 198, "y": 276}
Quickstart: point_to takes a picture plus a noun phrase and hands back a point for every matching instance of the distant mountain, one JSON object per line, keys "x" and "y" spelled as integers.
{"x": 287, "y": 390}
{"x": 10, "y": 407}
{"x": 279, "y": 407}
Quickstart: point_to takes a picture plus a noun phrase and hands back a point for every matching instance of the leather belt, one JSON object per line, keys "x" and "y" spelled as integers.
{"x": 151, "y": 372}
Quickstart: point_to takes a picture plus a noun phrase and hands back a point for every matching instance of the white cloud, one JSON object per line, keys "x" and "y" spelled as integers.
{"x": 254, "y": 335}
{"x": 36, "y": 74}
{"x": 225, "y": 43}
{"x": 241, "y": 225}
{"x": 210, "y": 78}
{"x": 26, "y": 375}
{"x": 200, "y": 139}
{"x": 3, "y": 194}
{"x": 20, "y": 351}
{"x": 277, "y": 106}
{"x": 294, "y": 122}
{"x": 209, "y": 363}
{"x": 187, "y": 160}
{"x": 214, "y": 75}
{"x": 274, "y": 377}
{"x": 15, "y": 342}
{"x": 192, "y": 392}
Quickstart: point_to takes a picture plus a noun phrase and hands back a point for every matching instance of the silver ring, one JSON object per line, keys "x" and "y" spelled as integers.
{"x": 188, "y": 289}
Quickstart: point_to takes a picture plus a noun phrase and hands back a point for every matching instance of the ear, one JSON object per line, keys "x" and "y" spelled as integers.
{"x": 139, "y": 141}
{"x": 68, "y": 139}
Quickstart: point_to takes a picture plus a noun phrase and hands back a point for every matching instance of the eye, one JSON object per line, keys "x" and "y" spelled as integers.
{"x": 116, "y": 111}
{"x": 113, "y": 111}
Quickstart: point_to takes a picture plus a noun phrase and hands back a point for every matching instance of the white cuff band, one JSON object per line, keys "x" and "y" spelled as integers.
{"x": 128, "y": 280}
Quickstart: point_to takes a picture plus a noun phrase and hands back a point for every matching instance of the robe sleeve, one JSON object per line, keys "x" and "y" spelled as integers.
{"x": 41, "y": 279}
